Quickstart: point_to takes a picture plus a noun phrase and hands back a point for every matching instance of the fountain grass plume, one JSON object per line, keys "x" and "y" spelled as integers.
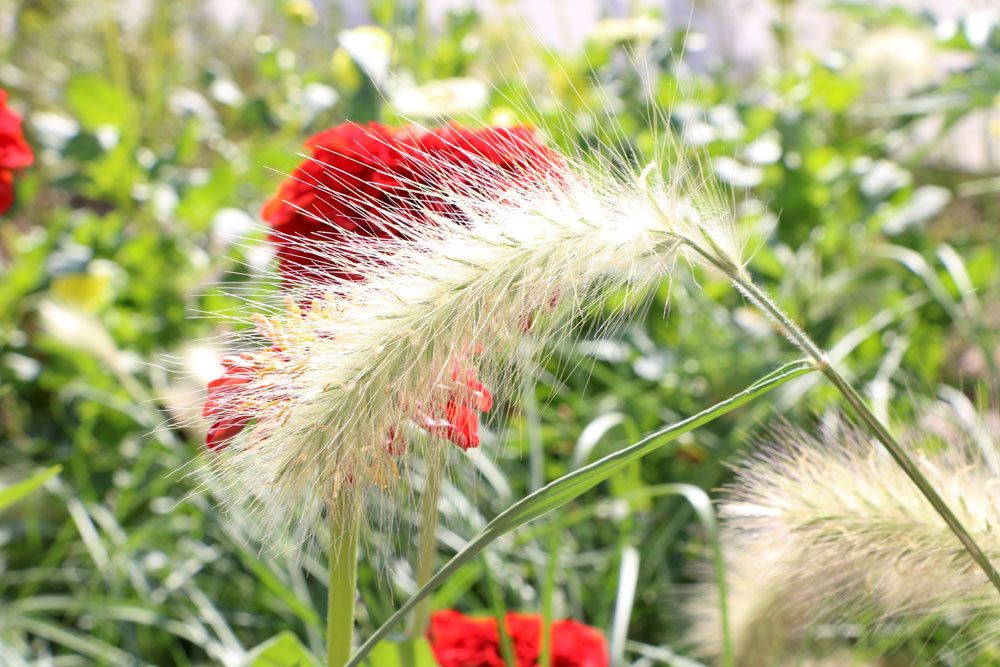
{"x": 823, "y": 533}
{"x": 352, "y": 366}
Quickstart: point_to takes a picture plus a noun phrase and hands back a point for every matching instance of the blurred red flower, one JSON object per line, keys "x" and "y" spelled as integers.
{"x": 460, "y": 641}
{"x": 15, "y": 153}
{"x": 375, "y": 181}
{"x": 231, "y": 409}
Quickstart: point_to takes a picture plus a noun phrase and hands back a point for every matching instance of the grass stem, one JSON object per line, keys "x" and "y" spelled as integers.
{"x": 426, "y": 548}
{"x": 343, "y": 564}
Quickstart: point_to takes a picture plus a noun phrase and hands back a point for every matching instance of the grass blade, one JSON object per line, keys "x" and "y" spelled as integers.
{"x": 702, "y": 506}
{"x": 628, "y": 577}
{"x": 15, "y": 492}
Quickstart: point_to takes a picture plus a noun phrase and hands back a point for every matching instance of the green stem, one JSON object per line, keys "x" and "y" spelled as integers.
{"x": 500, "y": 613}
{"x": 548, "y": 595}
{"x": 426, "y": 551}
{"x": 800, "y": 339}
{"x": 343, "y": 557}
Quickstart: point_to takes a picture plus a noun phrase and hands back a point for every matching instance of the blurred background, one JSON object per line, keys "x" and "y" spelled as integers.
{"x": 859, "y": 142}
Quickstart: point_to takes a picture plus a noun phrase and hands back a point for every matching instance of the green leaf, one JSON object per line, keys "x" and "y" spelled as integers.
{"x": 16, "y": 492}
{"x": 571, "y": 486}
{"x": 282, "y": 650}
{"x": 392, "y": 654}
{"x": 96, "y": 101}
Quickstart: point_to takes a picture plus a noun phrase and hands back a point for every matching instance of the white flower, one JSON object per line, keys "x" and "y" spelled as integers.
{"x": 615, "y": 30}
{"x": 737, "y": 174}
{"x": 227, "y": 92}
{"x": 895, "y": 62}
{"x": 444, "y": 97}
{"x": 53, "y": 130}
{"x": 764, "y": 150}
{"x": 318, "y": 97}
{"x": 370, "y": 47}
{"x": 229, "y": 225}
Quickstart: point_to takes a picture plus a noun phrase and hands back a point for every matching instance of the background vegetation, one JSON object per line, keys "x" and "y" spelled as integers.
{"x": 160, "y": 134}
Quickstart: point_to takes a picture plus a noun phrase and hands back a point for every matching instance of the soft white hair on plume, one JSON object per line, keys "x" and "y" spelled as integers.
{"x": 825, "y": 532}
{"x": 491, "y": 281}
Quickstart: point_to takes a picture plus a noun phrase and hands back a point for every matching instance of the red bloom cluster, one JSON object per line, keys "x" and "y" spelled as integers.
{"x": 375, "y": 181}
{"x": 461, "y": 641}
{"x": 15, "y": 153}
{"x": 460, "y": 423}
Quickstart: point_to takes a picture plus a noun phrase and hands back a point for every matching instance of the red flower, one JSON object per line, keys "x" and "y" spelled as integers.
{"x": 222, "y": 402}
{"x": 461, "y": 423}
{"x": 15, "y": 153}
{"x": 461, "y": 641}
{"x": 371, "y": 181}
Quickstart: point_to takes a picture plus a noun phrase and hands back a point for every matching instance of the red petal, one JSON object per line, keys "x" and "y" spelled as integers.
{"x": 223, "y": 431}
{"x": 463, "y": 429}
{"x": 6, "y": 190}
{"x": 15, "y": 153}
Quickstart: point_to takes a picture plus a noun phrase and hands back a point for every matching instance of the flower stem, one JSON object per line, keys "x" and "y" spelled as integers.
{"x": 800, "y": 339}
{"x": 426, "y": 551}
{"x": 343, "y": 565}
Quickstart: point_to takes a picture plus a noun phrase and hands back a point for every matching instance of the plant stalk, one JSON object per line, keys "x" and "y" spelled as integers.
{"x": 801, "y": 339}
{"x": 343, "y": 565}
{"x": 426, "y": 548}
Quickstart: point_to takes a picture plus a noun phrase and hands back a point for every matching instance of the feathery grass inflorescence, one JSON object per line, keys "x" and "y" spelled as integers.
{"x": 825, "y": 537}
{"x": 352, "y": 366}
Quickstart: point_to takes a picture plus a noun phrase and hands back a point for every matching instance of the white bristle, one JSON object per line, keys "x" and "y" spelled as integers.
{"x": 502, "y": 273}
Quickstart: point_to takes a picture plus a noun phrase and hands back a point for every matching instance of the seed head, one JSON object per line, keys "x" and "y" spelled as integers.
{"x": 407, "y": 299}
{"x": 823, "y": 534}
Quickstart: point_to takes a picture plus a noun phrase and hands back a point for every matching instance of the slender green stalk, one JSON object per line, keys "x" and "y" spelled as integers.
{"x": 343, "y": 564}
{"x": 426, "y": 551}
{"x": 800, "y": 339}
{"x": 500, "y": 613}
{"x": 548, "y": 595}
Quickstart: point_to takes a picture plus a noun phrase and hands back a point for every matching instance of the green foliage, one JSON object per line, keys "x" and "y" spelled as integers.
{"x": 96, "y": 102}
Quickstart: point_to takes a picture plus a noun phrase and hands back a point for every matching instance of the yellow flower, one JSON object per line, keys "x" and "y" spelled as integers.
{"x": 89, "y": 290}
{"x": 301, "y": 11}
